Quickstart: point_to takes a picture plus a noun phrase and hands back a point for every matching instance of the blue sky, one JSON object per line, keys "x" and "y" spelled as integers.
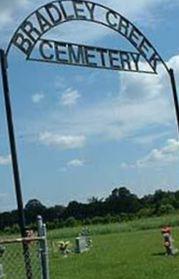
{"x": 82, "y": 132}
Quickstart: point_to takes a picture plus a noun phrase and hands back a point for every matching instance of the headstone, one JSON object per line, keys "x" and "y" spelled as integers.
{"x": 81, "y": 244}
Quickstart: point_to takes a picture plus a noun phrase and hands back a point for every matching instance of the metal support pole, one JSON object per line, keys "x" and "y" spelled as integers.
{"x": 43, "y": 248}
{"x": 12, "y": 143}
{"x": 175, "y": 96}
{"x": 3, "y": 61}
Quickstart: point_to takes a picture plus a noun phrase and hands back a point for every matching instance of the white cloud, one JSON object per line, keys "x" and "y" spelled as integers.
{"x": 7, "y": 7}
{"x": 124, "y": 166}
{"x": 62, "y": 141}
{"x": 144, "y": 102}
{"x": 143, "y": 86}
{"x": 36, "y": 98}
{"x": 63, "y": 169}
{"x": 166, "y": 155}
{"x": 70, "y": 97}
{"x": 140, "y": 11}
{"x": 174, "y": 63}
{"x": 5, "y": 160}
{"x": 60, "y": 83}
{"x": 150, "y": 138}
{"x": 13, "y": 13}
{"x": 118, "y": 118}
{"x": 3, "y": 195}
{"x": 76, "y": 163}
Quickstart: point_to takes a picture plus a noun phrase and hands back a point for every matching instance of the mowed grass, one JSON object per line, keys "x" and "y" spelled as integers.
{"x": 131, "y": 250}
{"x": 119, "y": 255}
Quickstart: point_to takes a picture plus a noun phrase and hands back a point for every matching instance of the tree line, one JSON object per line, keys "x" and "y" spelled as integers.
{"x": 120, "y": 205}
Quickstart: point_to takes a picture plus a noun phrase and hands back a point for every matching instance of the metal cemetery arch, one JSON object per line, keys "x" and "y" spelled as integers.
{"x": 28, "y": 37}
{"x": 29, "y": 33}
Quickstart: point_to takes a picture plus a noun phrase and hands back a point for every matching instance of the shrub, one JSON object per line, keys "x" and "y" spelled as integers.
{"x": 165, "y": 209}
{"x": 97, "y": 220}
{"x": 87, "y": 221}
{"x": 145, "y": 212}
{"x": 70, "y": 222}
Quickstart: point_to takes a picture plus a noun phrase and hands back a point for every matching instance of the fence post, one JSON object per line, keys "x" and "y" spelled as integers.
{"x": 43, "y": 248}
{"x": 1, "y": 271}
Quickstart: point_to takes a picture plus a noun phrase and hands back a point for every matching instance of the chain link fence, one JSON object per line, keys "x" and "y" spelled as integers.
{"x": 25, "y": 258}
{"x": 17, "y": 263}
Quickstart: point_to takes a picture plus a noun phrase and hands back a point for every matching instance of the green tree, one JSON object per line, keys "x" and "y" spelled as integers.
{"x": 34, "y": 208}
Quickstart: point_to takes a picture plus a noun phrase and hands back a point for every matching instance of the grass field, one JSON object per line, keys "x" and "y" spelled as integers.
{"x": 117, "y": 255}
{"x": 132, "y": 250}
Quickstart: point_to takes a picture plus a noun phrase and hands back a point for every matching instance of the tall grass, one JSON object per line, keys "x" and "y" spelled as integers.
{"x": 130, "y": 226}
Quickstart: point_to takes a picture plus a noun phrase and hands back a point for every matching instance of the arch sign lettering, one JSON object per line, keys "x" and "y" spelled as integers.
{"x": 29, "y": 40}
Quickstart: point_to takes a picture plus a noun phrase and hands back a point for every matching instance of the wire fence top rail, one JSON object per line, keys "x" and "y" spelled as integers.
{"x": 21, "y": 240}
